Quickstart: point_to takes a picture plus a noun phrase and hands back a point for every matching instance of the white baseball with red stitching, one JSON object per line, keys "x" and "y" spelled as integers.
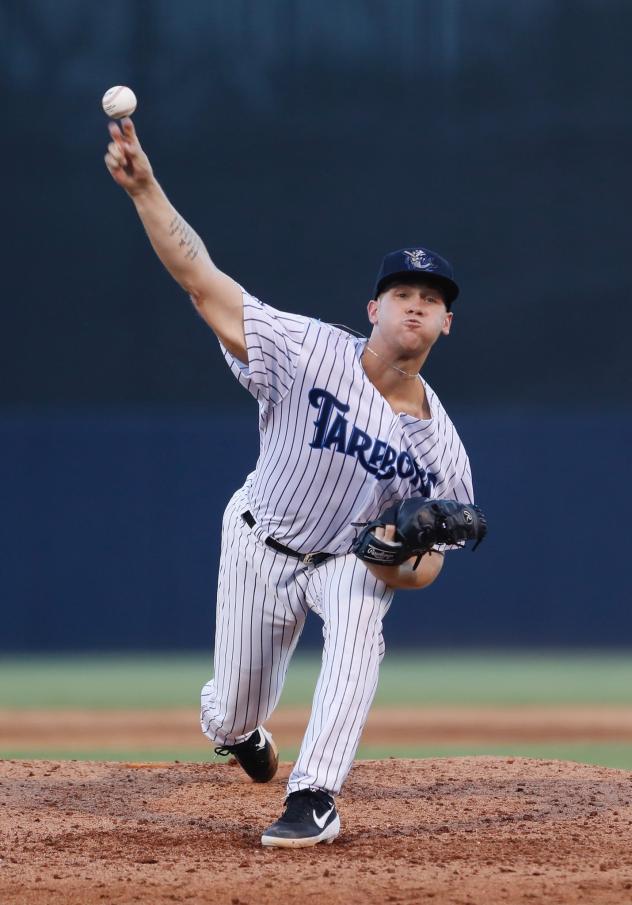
{"x": 119, "y": 101}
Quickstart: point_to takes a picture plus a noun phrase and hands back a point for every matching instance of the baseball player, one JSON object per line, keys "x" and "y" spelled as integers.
{"x": 348, "y": 428}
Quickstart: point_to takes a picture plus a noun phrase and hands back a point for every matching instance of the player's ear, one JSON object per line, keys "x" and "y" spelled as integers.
{"x": 372, "y": 308}
{"x": 447, "y": 323}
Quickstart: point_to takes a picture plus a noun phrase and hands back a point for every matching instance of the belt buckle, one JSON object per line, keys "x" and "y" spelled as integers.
{"x": 309, "y": 557}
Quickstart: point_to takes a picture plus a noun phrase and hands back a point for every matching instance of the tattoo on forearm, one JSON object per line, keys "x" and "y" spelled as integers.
{"x": 186, "y": 237}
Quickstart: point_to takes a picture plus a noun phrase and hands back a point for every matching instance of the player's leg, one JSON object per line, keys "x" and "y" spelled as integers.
{"x": 258, "y": 624}
{"x": 352, "y": 604}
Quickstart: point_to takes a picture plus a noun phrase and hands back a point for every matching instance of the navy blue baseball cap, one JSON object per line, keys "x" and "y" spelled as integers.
{"x": 420, "y": 261}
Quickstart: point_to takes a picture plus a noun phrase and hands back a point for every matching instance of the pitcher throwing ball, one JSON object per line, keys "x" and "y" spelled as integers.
{"x": 360, "y": 486}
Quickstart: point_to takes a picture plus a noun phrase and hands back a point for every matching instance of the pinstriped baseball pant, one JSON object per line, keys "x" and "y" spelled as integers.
{"x": 262, "y": 603}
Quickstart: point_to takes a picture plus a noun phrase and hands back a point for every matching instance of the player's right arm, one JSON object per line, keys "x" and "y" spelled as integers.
{"x": 216, "y": 296}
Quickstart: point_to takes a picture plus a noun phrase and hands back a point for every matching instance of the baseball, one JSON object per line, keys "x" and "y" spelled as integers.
{"x": 119, "y": 101}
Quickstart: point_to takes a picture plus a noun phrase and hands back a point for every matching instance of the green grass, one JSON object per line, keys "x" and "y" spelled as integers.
{"x": 411, "y": 679}
{"x": 608, "y": 755}
{"x": 100, "y": 681}
{"x": 154, "y": 682}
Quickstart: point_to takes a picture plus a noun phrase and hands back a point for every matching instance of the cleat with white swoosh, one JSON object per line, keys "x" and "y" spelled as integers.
{"x": 310, "y": 817}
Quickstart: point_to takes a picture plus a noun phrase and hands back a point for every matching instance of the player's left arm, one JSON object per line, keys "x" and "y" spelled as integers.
{"x": 404, "y": 578}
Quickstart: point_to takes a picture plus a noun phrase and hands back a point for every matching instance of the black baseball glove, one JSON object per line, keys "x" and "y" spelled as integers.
{"x": 419, "y": 526}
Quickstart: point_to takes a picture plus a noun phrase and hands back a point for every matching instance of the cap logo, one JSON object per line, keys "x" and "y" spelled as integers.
{"x": 418, "y": 259}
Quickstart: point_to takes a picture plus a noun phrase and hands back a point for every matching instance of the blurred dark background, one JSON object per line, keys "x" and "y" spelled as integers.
{"x": 303, "y": 141}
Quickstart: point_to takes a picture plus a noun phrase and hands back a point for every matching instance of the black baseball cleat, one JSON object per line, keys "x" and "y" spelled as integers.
{"x": 258, "y": 755}
{"x": 310, "y": 817}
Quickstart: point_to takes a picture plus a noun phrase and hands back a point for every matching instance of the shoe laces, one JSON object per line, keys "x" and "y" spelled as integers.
{"x": 223, "y": 750}
{"x": 251, "y": 741}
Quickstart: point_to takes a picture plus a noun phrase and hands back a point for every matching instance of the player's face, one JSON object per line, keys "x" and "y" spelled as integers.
{"x": 411, "y": 316}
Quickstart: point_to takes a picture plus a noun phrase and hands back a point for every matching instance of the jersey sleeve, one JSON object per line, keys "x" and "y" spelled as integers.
{"x": 274, "y": 340}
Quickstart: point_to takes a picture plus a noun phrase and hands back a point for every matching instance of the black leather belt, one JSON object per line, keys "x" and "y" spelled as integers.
{"x": 313, "y": 558}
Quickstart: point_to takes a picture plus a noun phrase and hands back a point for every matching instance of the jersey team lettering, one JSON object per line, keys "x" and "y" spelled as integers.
{"x": 332, "y": 450}
{"x": 374, "y": 455}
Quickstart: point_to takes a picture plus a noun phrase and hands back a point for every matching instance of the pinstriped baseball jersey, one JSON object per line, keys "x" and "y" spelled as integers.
{"x": 333, "y": 451}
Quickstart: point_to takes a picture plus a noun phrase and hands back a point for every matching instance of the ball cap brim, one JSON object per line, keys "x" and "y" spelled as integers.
{"x": 421, "y": 261}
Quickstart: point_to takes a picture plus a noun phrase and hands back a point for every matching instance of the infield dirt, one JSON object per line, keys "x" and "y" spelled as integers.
{"x": 455, "y": 830}
{"x": 179, "y": 727}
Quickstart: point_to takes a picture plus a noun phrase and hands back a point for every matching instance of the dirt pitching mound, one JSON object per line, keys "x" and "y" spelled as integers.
{"x": 456, "y": 830}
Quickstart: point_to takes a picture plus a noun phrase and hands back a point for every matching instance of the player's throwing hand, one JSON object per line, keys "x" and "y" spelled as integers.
{"x": 125, "y": 159}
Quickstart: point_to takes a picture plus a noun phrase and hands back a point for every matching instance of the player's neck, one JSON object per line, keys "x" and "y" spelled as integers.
{"x": 397, "y": 379}
{"x": 389, "y": 363}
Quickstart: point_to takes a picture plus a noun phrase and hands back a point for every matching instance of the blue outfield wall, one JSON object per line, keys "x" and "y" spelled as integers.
{"x": 111, "y": 525}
